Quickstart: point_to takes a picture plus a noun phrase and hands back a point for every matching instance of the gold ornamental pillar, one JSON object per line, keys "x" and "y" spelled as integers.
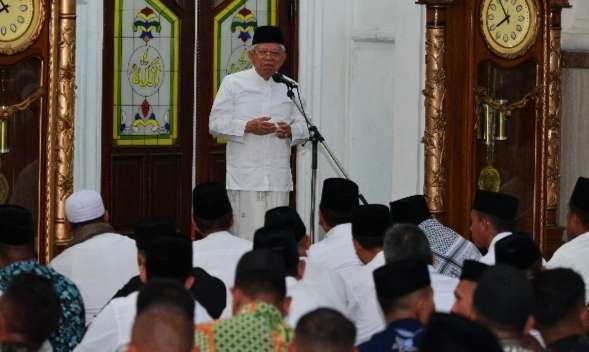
{"x": 434, "y": 139}
{"x": 60, "y": 131}
{"x": 551, "y": 129}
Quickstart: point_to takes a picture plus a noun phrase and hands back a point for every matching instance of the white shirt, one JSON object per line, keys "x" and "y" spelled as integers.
{"x": 573, "y": 255}
{"x": 112, "y": 326}
{"x": 255, "y": 162}
{"x": 443, "y": 287}
{"x": 335, "y": 251}
{"x": 489, "y": 258}
{"x": 329, "y": 284}
{"x": 304, "y": 299}
{"x": 99, "y": 266}
{"x": 364, "y": 308}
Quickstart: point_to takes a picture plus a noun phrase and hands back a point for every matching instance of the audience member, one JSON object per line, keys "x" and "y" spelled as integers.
{"x": 324, "y": 330}
{"x": 88, "y": 261}
{"x": 17, "y": 256}
{"x": 29, "y": 313}
{"x": 369, "y": 223}
{"x": 209, "y": 291}
{"x": 167, "y": 257}
{"x": 520, "y": 251}
{"x": 405, "y": 241}
{"x": 338, "y": 198}
{"x": 164, "y": 320}
{"x": 503, "y": 302}
{"x": 559, "y": 311}
{"x": 573, "y": 254}
{"x": 259, "y": 307}
{"x": 288, "y": 218}
{"x": 449, "y": 248}
{"x": 453, "y": 333}
{"x": 406, "y": 299}
{"x": 304, "y": 298}
{"x": 464, "y": 292}
{"x": 492, "y": 219}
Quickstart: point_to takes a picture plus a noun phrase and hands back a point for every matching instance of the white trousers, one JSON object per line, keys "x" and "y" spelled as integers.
{"x": 249, "y": 208}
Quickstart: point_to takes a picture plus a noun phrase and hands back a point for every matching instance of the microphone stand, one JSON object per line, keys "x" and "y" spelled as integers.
{"x": 316, "y": 137}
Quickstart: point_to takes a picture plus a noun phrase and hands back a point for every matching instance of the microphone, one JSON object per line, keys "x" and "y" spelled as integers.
{"x": 280, "y": 78}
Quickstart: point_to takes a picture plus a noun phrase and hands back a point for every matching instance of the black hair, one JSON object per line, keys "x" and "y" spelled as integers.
{"x": 166, "y": 292}
{"x": 169, "y": 257}
{"x": 325, "y": 330}
{"x": 406, "y": 241}
{"x": 213, "y": 225}
{"x": 500, "y": 224}
{"x": 336, "y": 217}
{"x": 583, "y": 215}
{"x": 77, "y": 225}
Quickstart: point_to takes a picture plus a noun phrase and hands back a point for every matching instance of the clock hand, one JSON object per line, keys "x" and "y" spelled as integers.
{"x": 504, "y": 12}
{"x": 503, "y": 20}
{"x": 4, "y": 7}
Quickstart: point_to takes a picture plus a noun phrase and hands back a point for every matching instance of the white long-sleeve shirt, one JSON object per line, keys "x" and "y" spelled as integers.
{"x": 335, "y": 251}
{"x": 256, "y": 162}
{"x": 573, "y": 255}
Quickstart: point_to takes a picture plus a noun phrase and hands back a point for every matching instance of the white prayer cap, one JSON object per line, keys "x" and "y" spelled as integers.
{"x": 83, "y": 206}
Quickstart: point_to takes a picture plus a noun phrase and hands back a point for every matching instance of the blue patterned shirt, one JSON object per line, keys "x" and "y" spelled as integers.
{"x": 71, "y": 324}
{"x": 400, "y": 336}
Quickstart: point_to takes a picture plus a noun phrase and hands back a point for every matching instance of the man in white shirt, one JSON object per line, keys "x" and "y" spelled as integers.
{"x": 167, "y": 258}
{"x": 218, "y": 251}
{"x": 573, "y": 254}
{"x": 260, "y": 124}
{"x": 369, "y": 223}
{"x": 336, "y": 251}
{"x": 99, "y": 261}
{"x": 492, "y": 219}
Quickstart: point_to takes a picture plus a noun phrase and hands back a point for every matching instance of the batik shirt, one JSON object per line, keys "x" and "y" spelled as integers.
{"x": 258, "y": 327}
{"x": 448, "y": 247}
{"x": 400, "y": 336}
{"x": 71, "y": 324}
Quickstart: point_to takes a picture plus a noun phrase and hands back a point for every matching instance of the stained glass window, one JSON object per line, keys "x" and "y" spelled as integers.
{"x": 146, "y": 73}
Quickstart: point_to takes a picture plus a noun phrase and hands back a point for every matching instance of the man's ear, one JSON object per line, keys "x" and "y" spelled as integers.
{"x": 189, "y": 282}
{"x": 530, "y": 324}
{"x": 301, "y": 269}
{"x": 142, "y": 273}
{"x": 584, "y": 319}
{"x": 106, "y": 216}
{"x": 238, "y": 300}
{"x": 285, "y": 306}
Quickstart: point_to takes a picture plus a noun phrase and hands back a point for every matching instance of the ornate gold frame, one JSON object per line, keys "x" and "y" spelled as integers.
{"x": 27, "y": 39}
{"x": 530, "y": 40}
{"x": 58, "y": 183}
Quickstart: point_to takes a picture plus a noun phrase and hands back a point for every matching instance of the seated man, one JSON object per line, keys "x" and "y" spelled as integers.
{"x": 288, "y": 218}
{"x": 99, "y": 261}
{"x": 503, "y": 303}
{"x": 560, "y": 312}
{"x": 17, "y": 256}
{"x": 406, "y": 299}
{"x": 164, "y": 320}
{"x": 259, "y": 307}
{"x": 338, "y": 197}
{"x": 464, "y": 292}
{"x": 449, "y": 248}
{"x": 324, "y": 330}
{"x": 209, "y": 291}
{"x": 29, "y": 313}
{"x": 169, "y": 258}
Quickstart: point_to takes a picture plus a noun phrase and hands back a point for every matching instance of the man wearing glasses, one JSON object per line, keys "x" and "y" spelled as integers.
{"x": 260, "y": 124}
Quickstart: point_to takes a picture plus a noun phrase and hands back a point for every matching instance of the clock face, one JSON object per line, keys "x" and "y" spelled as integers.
{"x": 15, "y": 18}
{"x": 509, "y": 26}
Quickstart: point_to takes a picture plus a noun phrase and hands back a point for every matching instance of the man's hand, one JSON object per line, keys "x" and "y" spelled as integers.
{"x": 283, "y": 130}
{"x": 260, "y": 126}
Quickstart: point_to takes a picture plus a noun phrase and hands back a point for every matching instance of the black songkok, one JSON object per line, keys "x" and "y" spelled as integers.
{"x": 580, "y": 196}
{"x": 497, "y": 204}
{"x": 283, "y": 242}
{"x": 395, "y": 280}
{"x": 410, "y": 210}
{"x": 169, "y": 257}
{"x": 370, "y": 220}
{"x": 518, "y": 250}
{"x": 504, "y": 296}
{"x": 339, "y": 194}
{"x": 263, "y": 264}
{"x": 267, "y": 34}
{"x": 210, "y": 201}
{"x": 16, "y": 225}
{"x": 472, "y": 270}
{"x": 287, "y": 218}
{"x": 153, "y": 227}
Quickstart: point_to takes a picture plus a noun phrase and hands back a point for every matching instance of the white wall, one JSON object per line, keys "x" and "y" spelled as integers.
{"x": 361, "y": 71}
{"x": 575, "y": 26}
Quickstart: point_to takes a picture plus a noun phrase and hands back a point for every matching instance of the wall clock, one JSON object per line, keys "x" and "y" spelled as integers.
{"x": 21, "y": 22}
{"x": 509, "y": 27}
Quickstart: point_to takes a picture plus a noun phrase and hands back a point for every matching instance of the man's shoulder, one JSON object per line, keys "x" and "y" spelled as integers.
{"x": 222, "y": 241}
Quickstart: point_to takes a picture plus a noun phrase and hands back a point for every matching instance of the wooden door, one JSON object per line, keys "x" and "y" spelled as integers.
{"x": 148, "y": 89}
{"x": 225, "y": 29}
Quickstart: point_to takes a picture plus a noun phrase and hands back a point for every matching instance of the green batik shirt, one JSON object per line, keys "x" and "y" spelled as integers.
{"x": 259, "y": 327}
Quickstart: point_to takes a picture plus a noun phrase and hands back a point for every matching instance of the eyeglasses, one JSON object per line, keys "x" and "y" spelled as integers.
{"x": 273, "y": 54}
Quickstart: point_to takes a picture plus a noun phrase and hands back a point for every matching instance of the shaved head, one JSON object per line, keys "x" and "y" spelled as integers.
{"x": 162, "y": 328}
